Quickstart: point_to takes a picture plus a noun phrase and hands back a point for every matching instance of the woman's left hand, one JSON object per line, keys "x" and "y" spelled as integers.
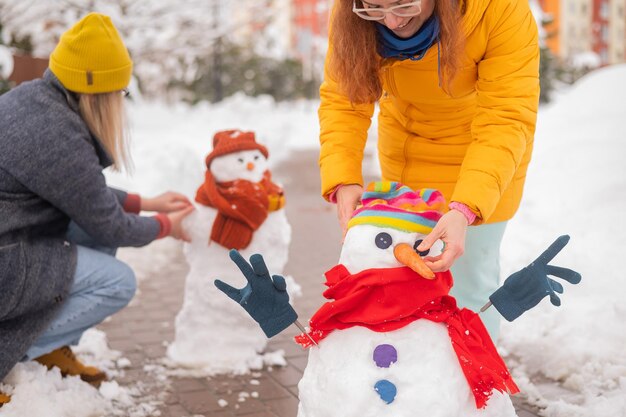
{"x": 451, "y": 229}
{"x": 165, "y": 203}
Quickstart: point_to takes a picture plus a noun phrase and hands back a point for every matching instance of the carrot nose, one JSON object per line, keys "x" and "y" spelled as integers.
{"x": 405, "y": 254}
{"x": 250, "y": 166}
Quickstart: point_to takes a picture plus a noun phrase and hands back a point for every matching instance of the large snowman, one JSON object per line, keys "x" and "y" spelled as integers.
{"x": 393, "y": 342}
{"x": 239, "y": 208}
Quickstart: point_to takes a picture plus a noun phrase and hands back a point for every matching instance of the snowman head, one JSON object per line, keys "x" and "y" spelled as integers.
{"x": 237, "y": 156}
{"x": 392, "y": 215}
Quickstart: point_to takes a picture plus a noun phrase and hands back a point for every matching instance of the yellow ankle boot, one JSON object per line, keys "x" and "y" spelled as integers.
{"x": 68, "y": 363}
{"x": 4, "y": 399}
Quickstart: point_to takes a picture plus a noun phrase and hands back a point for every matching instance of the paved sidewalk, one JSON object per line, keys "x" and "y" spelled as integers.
{"x": 139, "y": 331}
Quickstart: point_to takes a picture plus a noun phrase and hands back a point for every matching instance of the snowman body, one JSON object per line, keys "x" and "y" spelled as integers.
{"x": 409, "y": 372}
{"x": 212, "y": 333}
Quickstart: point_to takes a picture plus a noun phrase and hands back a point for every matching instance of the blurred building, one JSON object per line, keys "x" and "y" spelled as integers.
{"x": 265, "y": 24}
{"x": 294, "y": 28}
{"x": 310, "y": 34}
{"x": 583, "y": 31}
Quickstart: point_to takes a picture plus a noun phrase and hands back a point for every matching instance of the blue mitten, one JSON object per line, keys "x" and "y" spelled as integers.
{"x": 265, "y": 298}
{"x": 524, "y": 289}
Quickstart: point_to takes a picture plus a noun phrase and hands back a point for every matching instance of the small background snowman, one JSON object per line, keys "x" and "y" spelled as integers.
{"x": 239, "y": 208}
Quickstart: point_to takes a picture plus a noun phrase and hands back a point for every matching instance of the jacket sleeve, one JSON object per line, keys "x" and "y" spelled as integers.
{"x": 66, "y": 172}
{"x": 508, "y": 97}
{"x": 343, "y": 133}
{"x": 119, "y": 194}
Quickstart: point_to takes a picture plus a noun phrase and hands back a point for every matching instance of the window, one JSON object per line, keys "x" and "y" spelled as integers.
{"x": 604, "y": 10}
{"x": 604, "y": 56}
{"x": 604, "y": 33}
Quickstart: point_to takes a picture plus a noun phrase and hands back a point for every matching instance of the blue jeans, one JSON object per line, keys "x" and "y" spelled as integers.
{"x": 477, "y": 273}
{"x": 102, "y": 286}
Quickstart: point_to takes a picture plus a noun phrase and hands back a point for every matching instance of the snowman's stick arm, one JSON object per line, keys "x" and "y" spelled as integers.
{"x": 303, "y": 330}
{"x": 485, "y": 307}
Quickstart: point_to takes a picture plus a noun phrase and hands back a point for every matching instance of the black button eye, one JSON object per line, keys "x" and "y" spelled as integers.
{"x": 422, "y": 253}
{"x": 383, "y": 240}
{"x": 256, "y": 157}
{"x": 240, "y": 160}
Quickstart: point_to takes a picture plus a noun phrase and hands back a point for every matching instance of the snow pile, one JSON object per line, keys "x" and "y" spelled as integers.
{"x": 577, "y": 186}
{"x": 37, "y": 391}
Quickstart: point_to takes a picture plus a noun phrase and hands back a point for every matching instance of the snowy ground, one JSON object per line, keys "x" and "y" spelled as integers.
{"x": 577, "y": 186}
{"x": 569, "y": 360}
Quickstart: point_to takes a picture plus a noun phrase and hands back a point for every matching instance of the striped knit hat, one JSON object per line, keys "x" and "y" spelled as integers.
{"x": 396, "y": 206}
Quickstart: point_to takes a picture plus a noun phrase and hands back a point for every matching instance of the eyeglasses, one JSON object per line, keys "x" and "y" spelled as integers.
{"x": 377, "y": 13}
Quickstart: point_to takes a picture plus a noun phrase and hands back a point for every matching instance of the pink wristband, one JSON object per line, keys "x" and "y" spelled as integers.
{"x": 332, "y": 197}
{"x": 470, "y": 216}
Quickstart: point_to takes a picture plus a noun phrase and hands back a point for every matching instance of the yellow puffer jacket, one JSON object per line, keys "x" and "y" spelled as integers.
{"x": 475, "y": 146}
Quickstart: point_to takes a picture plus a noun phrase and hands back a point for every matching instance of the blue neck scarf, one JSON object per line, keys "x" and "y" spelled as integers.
{"x": 413, "y": 48}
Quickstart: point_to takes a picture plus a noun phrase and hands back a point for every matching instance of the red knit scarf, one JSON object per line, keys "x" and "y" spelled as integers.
{"x": 242, "y": 207}
{"x": 388, "y": 299}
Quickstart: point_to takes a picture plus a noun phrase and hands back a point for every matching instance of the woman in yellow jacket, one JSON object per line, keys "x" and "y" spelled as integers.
{"x": 458, "y": 89}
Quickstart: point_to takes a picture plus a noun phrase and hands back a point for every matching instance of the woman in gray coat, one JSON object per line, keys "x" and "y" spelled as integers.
{"x": 59, "y": 222}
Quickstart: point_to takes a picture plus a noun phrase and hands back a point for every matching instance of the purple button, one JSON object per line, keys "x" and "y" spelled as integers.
{"x": 385, "y": 355}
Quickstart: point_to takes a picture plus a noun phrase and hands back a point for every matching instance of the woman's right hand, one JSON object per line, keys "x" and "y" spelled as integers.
{"x": 348, "y": 197}
{"x": 176, "y": 221}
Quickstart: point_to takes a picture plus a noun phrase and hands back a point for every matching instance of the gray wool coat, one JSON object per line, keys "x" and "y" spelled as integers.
{"x": 50, "y": 173}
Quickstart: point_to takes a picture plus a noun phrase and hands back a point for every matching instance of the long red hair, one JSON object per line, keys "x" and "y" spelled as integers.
{"x": 354, "y": 61}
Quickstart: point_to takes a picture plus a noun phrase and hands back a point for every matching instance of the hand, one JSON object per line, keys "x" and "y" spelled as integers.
{"x": 176, "y": 221}
{"x": 524, "y": 289}
{"x": 451, "y": 229}
{"x": 348, "y": 197}
{"x": 265, "y": 298}
{"x": 166, "y": 202}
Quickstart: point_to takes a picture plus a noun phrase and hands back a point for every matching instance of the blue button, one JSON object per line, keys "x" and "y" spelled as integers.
{"x": 386, "y": 390}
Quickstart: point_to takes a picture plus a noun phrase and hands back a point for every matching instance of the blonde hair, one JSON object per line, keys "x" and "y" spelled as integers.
{"x": 354, "y": 61}
{"x": 105, "y": 116}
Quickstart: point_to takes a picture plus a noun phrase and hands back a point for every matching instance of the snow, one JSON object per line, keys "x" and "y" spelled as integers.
{"x": 586, "y": 60}
{"x": 6, "y": 62}
{"x": 576, "y": 185}
{"x": 37, "y": 391}
{"x": 570, "y": 360}
{"x": 170, "y": 142}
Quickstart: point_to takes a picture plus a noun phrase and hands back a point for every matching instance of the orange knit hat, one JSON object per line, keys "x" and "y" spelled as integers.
{"x": 229, "y": 141}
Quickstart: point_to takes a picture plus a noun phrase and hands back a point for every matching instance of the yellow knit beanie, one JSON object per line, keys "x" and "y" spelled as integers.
{"x": 91, "y": 57}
